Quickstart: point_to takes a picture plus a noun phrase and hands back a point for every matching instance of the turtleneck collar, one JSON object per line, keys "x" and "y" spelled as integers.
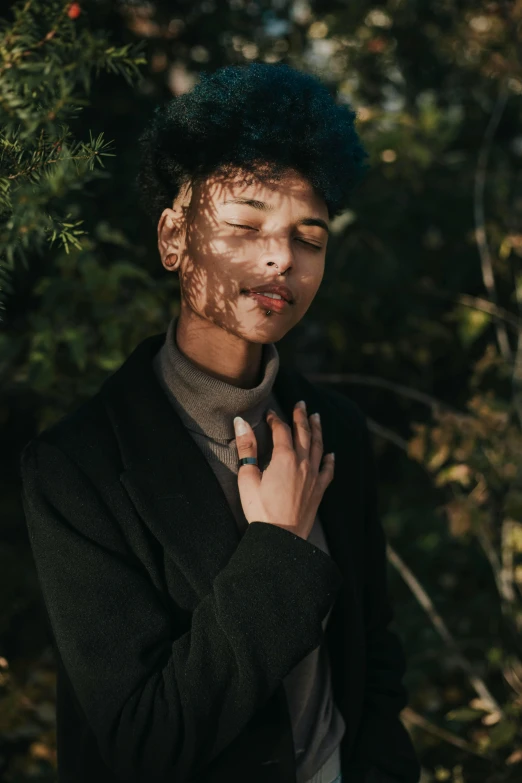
{"x": 209, "y": 404}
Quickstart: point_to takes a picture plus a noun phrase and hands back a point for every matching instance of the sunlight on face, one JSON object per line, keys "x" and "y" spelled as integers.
{"x": 227, "y": 247}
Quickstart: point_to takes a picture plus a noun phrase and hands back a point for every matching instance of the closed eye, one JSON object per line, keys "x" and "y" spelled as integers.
{"x": 310, "y": 244}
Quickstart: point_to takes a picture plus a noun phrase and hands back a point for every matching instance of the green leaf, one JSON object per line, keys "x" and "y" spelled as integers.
{"x": 77, "y": 347}
{"x": 471, "y": 324}
{"x": 464, "y": 714}
{"x": 110, "y": 361}
{"x": 503, "y": 733}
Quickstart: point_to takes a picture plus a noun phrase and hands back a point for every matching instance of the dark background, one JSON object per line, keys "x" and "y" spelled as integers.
{"x": 405, "y": 323}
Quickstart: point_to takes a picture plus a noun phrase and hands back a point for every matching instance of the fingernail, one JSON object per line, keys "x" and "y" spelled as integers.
{"x": 270, "y": 410}
{"x": 240, "y": 426}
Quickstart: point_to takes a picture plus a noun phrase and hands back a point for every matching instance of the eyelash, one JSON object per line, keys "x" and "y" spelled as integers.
{"x": 310, "y": 244}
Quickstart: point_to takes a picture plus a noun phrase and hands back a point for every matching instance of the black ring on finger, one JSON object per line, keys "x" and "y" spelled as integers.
{"x": 248, "y": 461}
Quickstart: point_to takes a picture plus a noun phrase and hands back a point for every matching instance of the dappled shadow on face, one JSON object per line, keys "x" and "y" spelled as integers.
{"x": 218, "y": 261}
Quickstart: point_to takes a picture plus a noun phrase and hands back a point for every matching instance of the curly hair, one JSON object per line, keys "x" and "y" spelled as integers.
{"x": 256, "y": 117}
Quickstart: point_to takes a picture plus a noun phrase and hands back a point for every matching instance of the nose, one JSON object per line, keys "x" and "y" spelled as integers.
{"x": 282, "y": 257}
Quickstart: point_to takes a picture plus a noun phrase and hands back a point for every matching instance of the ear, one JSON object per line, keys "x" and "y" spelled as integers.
{"x": 171, "y": 223}
{"x": 168, "y": 233}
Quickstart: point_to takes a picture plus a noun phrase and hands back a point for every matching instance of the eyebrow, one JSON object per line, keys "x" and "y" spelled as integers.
{"x": 262, "y": 205}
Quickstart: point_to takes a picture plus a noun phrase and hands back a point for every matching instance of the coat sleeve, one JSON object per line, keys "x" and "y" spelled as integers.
{"x": 162, "y": 701}
{"x": 383, "y": 750}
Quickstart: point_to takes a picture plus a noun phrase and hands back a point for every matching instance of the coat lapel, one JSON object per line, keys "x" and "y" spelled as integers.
{"x": 171, "y": 483}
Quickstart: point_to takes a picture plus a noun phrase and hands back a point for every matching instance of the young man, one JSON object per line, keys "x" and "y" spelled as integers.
{"x": 217, "y": 599}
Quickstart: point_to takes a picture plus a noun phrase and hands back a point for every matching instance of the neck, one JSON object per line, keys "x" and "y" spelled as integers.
{"x": 217, "y": 352}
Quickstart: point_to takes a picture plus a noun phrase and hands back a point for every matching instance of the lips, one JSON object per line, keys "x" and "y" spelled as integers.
{"x": 277, "y": 305}
{"x": 282, "y": 290}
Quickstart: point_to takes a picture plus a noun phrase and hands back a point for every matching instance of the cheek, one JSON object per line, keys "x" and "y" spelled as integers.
{"x": 230, "y": 250}
{"x": 311, "y": 281}
{"x": 211, "y": 274}
{"x": 216, "y": 252}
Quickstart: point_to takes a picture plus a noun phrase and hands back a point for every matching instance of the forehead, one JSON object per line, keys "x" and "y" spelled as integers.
{"x": 289, "y": 191}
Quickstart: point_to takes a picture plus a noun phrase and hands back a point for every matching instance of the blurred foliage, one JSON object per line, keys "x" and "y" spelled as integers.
{"x": 418, "y": 317}
{"x": 43, "y": 58}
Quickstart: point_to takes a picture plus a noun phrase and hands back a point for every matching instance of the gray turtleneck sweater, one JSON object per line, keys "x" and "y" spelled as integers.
{"x": 207, "y": 407}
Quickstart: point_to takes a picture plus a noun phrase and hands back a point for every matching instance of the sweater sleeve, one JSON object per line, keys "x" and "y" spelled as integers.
{"x": 162, "y": 701}
{"x": 383, "y": 750}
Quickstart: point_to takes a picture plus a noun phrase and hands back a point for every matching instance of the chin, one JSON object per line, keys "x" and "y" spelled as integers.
{"x": 269, "y": 330}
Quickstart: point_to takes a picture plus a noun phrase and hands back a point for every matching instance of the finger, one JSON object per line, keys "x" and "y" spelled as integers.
{"x": 248, "y": 474}
{"x": 281, "y": 432}
{"x": 302, "y": 432}
{"x": 326, "y": 473}
{"x": 246, "y": 443}
{"x": 316, "y": 446}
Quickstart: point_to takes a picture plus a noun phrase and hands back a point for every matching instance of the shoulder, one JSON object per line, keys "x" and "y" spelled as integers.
{"x": 87, "y": 434}
{"x": 335, "y": 403}
{"x": 345, "y": 405}
{"x": 84, "y": 436}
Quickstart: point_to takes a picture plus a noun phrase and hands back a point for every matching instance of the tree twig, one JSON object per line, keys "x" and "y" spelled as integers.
{"x": 405, "y": 391}
{"x": 478, "y": 210}
{"x": 427, "y": 604}
{"x": 475, "y": 302}
{"x": 411, "y": 716}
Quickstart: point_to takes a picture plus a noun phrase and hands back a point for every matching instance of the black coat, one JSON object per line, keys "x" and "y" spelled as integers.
{"x": 172, "y": 632}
